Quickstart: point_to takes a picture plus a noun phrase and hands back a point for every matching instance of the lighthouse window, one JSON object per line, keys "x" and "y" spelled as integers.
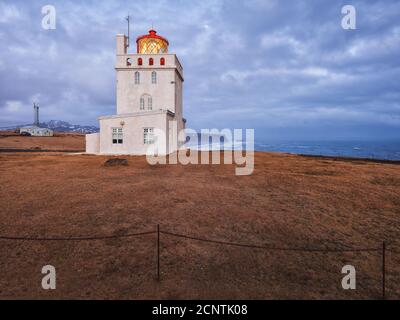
{"x": 154, "y": 77}
{"x": 151, "y": 61}
{"x": 137, "y": 77}
{"x": 148, "y": 135}
{"x": 141, "y": 103}
{"x": 146, "y": 102}
{"x": 117, "y": 136}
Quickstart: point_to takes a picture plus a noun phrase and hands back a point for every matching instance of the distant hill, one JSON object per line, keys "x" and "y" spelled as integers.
{"x": 63, "y": 126}
{"x": 60, "y": 126}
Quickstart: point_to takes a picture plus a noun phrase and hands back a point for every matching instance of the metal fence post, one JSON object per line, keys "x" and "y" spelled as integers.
{"x": 383, "y": 270}
{"x": 158, "y": 252}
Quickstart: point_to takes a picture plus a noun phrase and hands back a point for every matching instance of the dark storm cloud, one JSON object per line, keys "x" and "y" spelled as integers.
{"x": 286, "y": 68}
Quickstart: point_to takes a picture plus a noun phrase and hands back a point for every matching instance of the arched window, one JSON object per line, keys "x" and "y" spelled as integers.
{"x": 128, "y": 62}
{"x": 139, "y": 61}
{"x": 151, "y": 61}
{"x": 137, "y": 77}
{"x": 154, "y": 77}
{"x": 162, "y": 61}
{"x": 141, "y": 103}
{"x": 146, "y": 102}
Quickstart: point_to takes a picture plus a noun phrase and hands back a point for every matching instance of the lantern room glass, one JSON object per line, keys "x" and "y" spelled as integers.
{"x": 152, "y": 46}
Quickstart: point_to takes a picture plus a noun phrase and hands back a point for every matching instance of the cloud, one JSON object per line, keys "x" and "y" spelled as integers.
{"x": 285, "y": 66}
{"x": 9, "y": 13}
{"x": 280, "y": 40}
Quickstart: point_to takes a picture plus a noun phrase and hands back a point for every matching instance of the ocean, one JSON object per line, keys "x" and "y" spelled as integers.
{"x": 383, "y": 150}
{"x": 377, "y": 149}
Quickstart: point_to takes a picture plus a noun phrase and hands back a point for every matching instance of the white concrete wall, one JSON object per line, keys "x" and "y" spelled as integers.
{"x": 93, "y": 143}
{"x": 166, "y": 93}
{"x": 171, "y": 61}
{"x": 129, "y": 93}
{"x": 122, "y": 44}
{"x": 133, "y": 126}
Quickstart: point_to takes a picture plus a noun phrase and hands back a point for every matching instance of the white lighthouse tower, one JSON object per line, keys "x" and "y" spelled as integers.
{"x": 149, "y": 100}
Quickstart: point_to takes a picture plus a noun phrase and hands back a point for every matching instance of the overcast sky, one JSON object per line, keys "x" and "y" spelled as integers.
{"x": 285, "y": 68}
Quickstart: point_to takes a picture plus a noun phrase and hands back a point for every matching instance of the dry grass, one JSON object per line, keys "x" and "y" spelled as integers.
{"x": 60, "y": 141}
{"x": 289, "y": 201}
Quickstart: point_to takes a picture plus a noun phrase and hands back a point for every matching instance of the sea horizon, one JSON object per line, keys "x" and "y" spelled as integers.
{"x": 379, "y": 149}
{"x": 368, "y": 149}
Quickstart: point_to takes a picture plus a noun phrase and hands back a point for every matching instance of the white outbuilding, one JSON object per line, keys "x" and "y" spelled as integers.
{"x": 36, "y": 131}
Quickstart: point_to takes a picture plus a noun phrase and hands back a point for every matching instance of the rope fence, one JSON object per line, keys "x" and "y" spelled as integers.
{"x": 77, "y": 238}
{"x": 382, "y": 249}
{"x": 268, "y": 248}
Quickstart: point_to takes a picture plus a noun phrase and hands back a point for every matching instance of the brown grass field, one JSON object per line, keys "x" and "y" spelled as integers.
{"x": 288, "y": 202}
{"x": 12, "y": 141}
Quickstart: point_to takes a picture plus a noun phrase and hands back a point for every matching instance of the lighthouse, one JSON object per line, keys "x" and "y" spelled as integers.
{"x": 149, "y": 85}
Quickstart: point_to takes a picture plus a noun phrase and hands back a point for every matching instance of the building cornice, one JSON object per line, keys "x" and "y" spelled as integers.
{"x": 139, "y": 114}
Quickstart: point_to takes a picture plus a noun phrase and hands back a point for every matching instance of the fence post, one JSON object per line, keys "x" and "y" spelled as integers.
{"x": 383, "y": 270}
{"x": 158, "y": 252}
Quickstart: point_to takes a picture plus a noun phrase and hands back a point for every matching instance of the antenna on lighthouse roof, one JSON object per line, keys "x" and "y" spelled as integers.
{"x": 128, "y": 19}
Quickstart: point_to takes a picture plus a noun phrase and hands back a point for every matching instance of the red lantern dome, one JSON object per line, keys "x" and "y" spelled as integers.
{"x": 152, "y": 43}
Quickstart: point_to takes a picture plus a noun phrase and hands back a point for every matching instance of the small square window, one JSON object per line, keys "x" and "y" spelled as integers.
{"x": 117, "y": 136}
{"x": 148, "y": 136}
